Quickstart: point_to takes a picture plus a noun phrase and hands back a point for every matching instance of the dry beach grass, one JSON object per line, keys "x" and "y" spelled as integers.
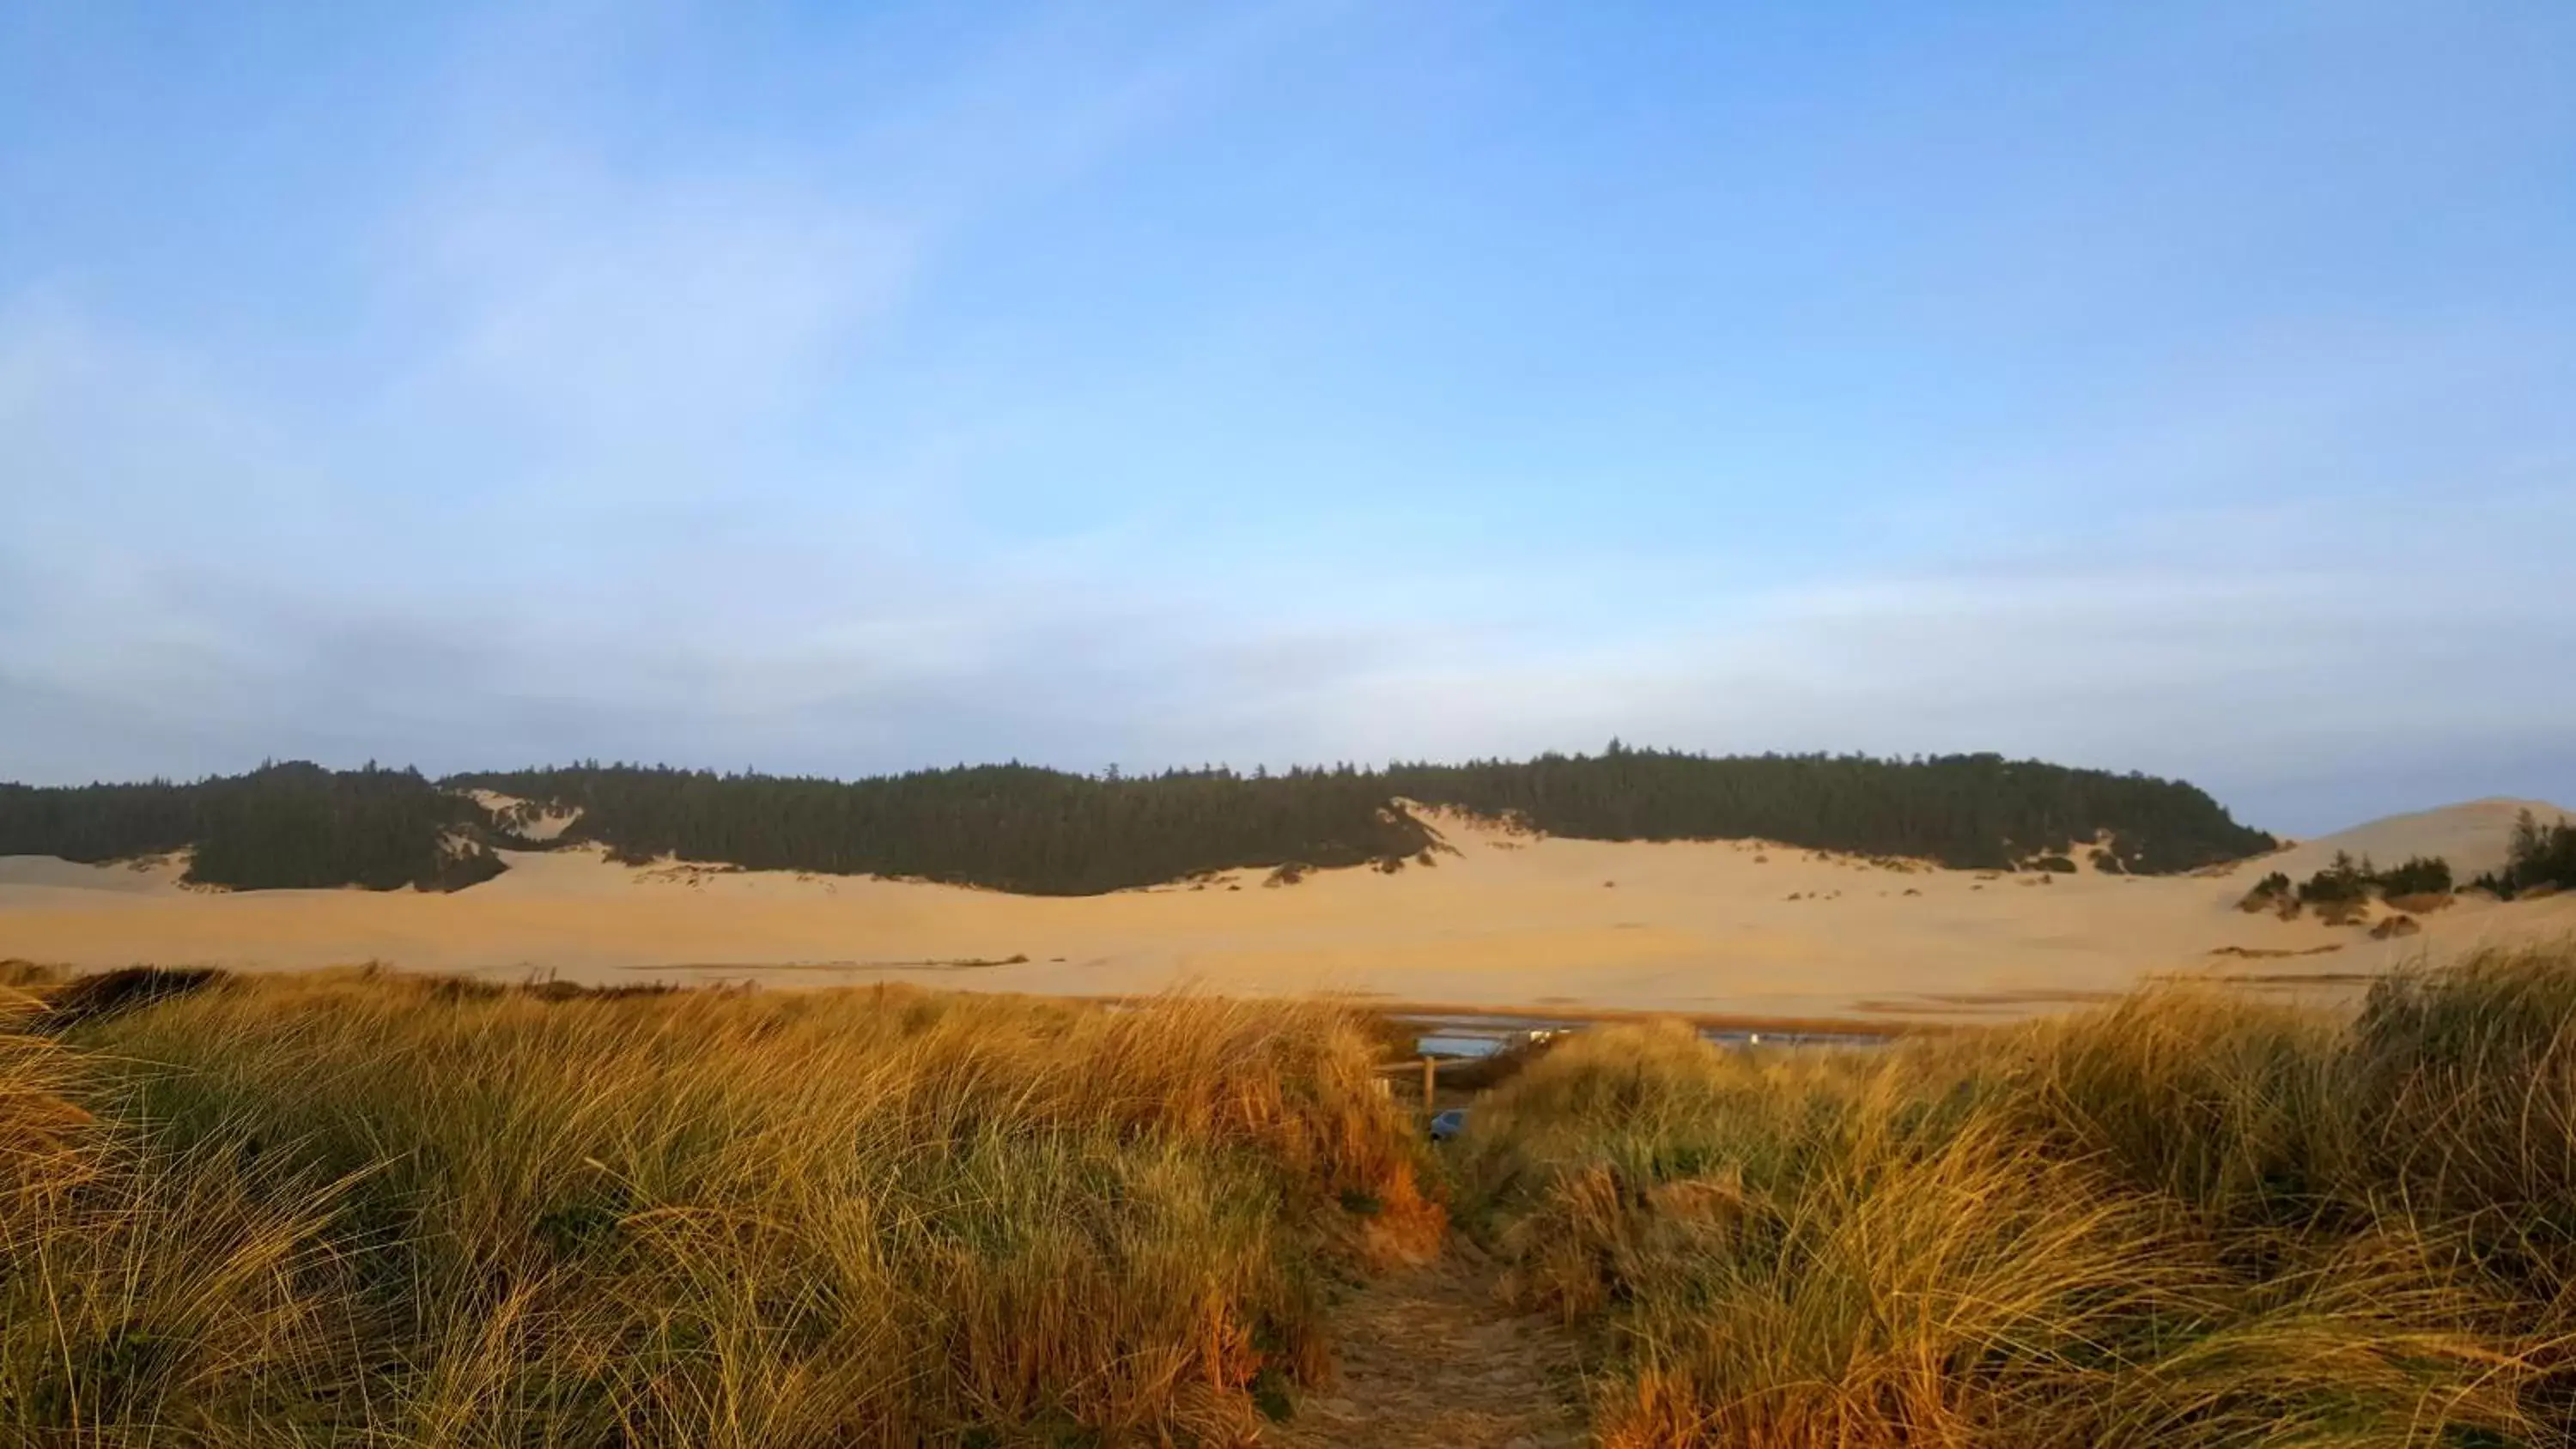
{"x": 366, "y": 1209}
{"x": 2184, "y": 1219}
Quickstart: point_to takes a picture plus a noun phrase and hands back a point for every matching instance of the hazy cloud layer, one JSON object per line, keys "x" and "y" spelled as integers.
{"x": 1116, "y": 386}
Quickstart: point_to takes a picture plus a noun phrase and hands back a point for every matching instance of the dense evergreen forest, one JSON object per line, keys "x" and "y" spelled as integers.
{"x": 278, "y": 827}
{"x": 1022, "y": 828}
{"x": 1961, "y": 810}
{"x": 1012, "y": 827}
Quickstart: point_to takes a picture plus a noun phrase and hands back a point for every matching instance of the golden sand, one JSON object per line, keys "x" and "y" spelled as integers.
{"x": 1726, "y": 928}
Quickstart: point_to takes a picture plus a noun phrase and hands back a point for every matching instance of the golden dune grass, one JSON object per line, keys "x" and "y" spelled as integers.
{"x": 2184, "y": 1220}
{"x": 364, "y": 1208}
{"x": 368, "y": 1209}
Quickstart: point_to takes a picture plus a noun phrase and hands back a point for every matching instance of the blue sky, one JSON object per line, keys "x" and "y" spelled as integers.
{"x": 2188, "y": 388}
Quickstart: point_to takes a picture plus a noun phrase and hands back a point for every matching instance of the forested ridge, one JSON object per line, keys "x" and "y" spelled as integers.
{"x": 1028, "y": 829}
{"x": 1979, "y": 811}
{"x": 278, "y": 827}
{"x": 1012, "y": 827}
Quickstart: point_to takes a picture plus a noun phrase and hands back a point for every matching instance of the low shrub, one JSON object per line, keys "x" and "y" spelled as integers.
{"x": 2346, "y": 880}
{"x": 2420, "y": 876}
{"x": 2270, "y": 893}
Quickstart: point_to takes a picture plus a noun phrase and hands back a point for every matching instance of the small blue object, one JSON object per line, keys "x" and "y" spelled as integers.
{"x": 1448, "y": 1124}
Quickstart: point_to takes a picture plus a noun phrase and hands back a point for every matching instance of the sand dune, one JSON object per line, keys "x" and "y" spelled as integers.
{"x": 525, "y": 818}
{"x": 2471, "y": 836}
{"x": 23, "y": 875}
{"x": 1722, "y": 928}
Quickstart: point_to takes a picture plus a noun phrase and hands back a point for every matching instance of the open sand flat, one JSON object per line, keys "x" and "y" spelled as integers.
{"x": 1717, "y": 928}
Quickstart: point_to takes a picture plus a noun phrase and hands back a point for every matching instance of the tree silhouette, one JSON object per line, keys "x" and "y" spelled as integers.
{"x": 1022, "y": 828}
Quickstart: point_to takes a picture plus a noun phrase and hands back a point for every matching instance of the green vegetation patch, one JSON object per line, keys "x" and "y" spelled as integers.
{"x": 2542, "y": 857}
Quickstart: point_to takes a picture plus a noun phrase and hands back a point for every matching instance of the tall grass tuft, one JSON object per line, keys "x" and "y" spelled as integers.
{"x": 2186, "y": 1219}
{"x": 370, "y": 1209}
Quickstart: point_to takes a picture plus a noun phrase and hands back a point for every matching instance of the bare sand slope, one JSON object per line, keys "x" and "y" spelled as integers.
{"x": 1719, "y": 928}
{"x": 2471, "y": 836}
{"x": 22, "y": 876}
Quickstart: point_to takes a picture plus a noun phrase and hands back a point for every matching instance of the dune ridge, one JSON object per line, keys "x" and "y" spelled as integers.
{"x": 1745, "y": 929}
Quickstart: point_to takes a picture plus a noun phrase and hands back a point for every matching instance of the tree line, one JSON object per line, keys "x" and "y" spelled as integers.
{"x": 1009, "y": 827}
{"x": 1977, "y": 811}
{"x": 1028, "y": 829}
{"x": 282, "y": 826}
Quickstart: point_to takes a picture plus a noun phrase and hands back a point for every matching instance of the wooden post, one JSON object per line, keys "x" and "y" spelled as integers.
{"x": 1430, "y": 1082}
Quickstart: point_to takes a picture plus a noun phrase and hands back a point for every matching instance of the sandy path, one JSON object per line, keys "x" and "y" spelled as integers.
{"x": 1427, "y": 1360}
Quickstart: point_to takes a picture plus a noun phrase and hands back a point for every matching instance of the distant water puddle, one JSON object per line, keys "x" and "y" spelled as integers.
{"x": 1470, "y": 1037}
